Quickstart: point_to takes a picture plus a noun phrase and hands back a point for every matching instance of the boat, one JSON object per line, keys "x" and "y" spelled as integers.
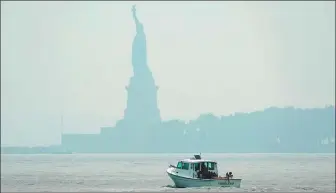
{"x": 198, "y": 172}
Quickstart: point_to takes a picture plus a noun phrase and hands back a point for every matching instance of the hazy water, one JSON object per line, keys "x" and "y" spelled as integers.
{"x": 146, "y": 172}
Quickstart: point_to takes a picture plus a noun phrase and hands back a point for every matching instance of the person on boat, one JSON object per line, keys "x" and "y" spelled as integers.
{"x": 230, "y": 175}
{"x": 201, "y": 171}
{"x": 205, "y": 172}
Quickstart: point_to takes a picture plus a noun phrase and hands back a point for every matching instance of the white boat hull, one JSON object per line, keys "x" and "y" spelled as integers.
{"x": 185, "y": 182}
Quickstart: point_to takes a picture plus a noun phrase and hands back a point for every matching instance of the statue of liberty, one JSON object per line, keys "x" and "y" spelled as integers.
{"x": 142, "y": 108}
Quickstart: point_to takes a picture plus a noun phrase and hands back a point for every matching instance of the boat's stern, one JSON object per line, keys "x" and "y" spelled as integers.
{"x": 229, "y": 183}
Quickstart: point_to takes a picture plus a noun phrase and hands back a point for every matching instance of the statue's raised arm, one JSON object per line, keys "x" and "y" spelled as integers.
{"x": 138, "y": 25}
{"x": 134, "y": 15}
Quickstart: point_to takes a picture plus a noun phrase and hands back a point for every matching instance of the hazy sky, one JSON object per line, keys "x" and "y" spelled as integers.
{"x": 74, "y": 58}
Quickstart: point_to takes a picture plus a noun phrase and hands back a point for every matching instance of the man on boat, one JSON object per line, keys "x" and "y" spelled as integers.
{"x": 205, "y": 172}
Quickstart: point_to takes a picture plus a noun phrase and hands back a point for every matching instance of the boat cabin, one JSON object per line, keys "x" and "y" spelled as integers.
{"x": 197, "y": 168}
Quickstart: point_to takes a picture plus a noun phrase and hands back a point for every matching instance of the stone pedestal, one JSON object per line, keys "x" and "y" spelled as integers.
{"x": 142, "y": 108}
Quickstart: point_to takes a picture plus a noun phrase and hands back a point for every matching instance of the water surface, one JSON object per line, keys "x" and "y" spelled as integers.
{"x": 146, "y": 172}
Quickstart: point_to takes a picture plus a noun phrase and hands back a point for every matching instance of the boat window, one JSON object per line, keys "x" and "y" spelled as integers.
{"x": 197, "y": 166}
{"x": 185, "y": 166}
{"x": 211, "y": 165}
{"x": 179, "y": 165}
